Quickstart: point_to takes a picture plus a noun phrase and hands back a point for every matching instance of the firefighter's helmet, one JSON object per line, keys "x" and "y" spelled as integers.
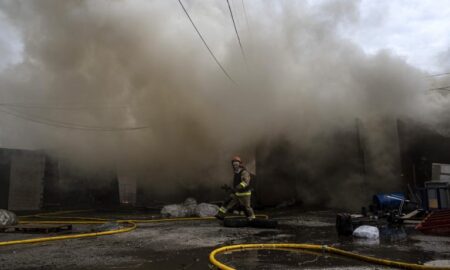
{"x": 236, "y": 158}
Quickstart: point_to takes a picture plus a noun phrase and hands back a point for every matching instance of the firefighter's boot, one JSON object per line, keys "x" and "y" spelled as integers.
{"x": 221, "y": 213}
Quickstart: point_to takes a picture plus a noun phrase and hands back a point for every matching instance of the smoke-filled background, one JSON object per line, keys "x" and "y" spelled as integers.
{"x": 129, "y": 85}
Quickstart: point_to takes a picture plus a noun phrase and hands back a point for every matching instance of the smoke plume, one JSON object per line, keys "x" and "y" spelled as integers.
{"x": 107, "y": 65}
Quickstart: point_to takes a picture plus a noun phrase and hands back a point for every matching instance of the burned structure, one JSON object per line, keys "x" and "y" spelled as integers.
{"x": 414, "y": 155}
{"x": 33, "y": 180}
{"x": 184, "y": 119}
{"x": 21, "y": 179}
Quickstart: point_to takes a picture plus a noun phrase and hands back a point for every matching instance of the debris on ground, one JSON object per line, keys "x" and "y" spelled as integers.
{"x": 7, "y": 218}
{"x": 186, "y": 209}
{"x": 206, "y": 210}
{"x": 189, "y": 208}
{"x": 175, "y": 245}
{"x": 366, "y": 232}
{"x": 437, "y": 222}
{"x": 393, "y": 233}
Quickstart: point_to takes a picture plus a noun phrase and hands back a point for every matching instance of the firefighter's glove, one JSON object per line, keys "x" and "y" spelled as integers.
{"x": 239, "y": 188}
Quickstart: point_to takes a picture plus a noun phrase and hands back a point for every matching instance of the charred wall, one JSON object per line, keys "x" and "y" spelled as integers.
{"x": 32, "y": 180}
{"x": 287, "y": 173}
{"x": 21, "y": 181}
{"x": 420, "y": 147}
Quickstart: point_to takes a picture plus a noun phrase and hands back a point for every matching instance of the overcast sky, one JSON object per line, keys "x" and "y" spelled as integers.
{"x": 416, "y": 30}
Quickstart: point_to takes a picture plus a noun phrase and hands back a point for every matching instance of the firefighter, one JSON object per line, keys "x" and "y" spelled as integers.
{"x": 240, "y": 192}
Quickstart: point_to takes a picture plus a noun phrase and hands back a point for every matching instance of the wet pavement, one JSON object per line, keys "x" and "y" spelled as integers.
{"x": 186, "y": 245}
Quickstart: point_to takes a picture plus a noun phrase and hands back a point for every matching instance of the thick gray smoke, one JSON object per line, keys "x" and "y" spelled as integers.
{"x": 140, "y": 63}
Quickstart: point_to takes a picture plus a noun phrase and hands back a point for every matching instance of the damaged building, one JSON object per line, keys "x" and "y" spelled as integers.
{"x": 142, "y": 134}
{"x": 34, "y": 180}
{"x": 414, "y": 155}
{"x": 21, "y": 179}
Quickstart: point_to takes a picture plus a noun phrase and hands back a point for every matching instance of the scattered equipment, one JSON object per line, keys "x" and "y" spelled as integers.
{"x": 387, "y": 213}
{"x": 388, "y": 201}
{"x": 436, "y": 223}
{"x": 438, "y": 194}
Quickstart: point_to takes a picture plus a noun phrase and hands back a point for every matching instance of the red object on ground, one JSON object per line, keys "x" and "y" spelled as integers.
{"x": 436, "y": 223}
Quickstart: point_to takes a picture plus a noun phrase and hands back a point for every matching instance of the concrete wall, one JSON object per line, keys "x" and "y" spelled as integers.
{"x": 5, "y": 168}
{"x": 127, "y": 189}
{"x": 26, "y": 180}
{"x": 81, "y": 187}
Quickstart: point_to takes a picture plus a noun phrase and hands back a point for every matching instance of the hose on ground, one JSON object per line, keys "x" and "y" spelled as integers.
{"x": 321, "y": 248}
{"x": 90, "y": 221}
{"x": 131, "y": 224}
{"x": 38, "y": 215}
{"x": 71, "y": 236}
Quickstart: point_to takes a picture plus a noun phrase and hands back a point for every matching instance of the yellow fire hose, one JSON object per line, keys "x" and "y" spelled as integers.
{"x": 213, "y": 260}
{"x": 55, "y": 213}
{"x": 322, "y": 248}
{"x": 88, "y": 221}
{"x": 72, "y": 236}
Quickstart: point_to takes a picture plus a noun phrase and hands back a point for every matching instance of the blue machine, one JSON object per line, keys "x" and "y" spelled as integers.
{"x": 389, "y": 201}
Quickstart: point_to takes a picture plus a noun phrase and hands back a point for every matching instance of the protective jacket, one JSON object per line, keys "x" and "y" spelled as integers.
{"x": 242, "y": 183}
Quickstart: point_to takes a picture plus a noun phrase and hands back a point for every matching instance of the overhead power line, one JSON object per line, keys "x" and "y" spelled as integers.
{"x": 443, "y": 88}
{"x": 204, "y": 42}
{"x": 442, "y": 74}
{"x": 237, "y": 34}
{"x": 60, "y": 124}
{"x": 246, "y": 17}
{"x": 63, "y": 108}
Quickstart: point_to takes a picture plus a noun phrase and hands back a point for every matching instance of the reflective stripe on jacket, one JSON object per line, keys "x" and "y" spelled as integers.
{"x": 242, "y": 183}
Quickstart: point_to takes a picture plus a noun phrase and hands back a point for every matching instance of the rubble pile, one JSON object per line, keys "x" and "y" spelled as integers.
{"x": 7, "y": 218}
{"x": 189, "y": 208}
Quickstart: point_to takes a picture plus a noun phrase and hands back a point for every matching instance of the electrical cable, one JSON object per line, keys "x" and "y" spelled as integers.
{"x": 206, "y": 45}
{"x": 60, "y": 124}
{"x": 246, "y": 17}
{"x": 443, "y": 88}
{"x": 237, "y": 34}
{"x": 442, "y": 74}
{"x": 66, "y": 108}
